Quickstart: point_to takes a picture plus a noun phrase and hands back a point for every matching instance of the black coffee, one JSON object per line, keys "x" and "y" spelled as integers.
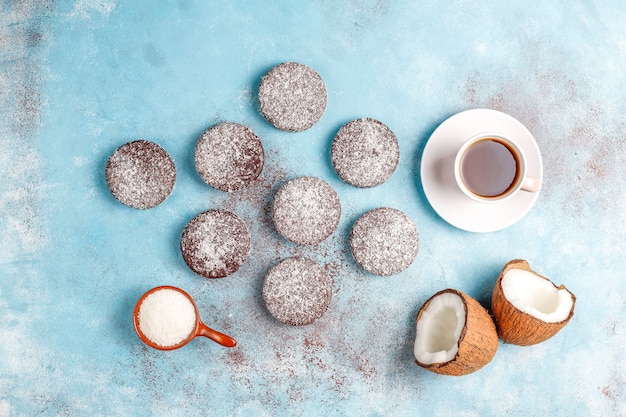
{"x": 489, "y": 168}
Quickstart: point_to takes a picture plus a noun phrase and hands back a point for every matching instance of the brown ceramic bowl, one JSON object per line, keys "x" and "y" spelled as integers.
{"x": 201, "y": 329}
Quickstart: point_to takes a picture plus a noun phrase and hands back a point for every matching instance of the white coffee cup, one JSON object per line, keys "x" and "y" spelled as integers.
{"x": 490, "y": 167}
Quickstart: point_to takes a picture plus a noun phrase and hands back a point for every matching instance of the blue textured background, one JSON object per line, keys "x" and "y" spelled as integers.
{"x": 79, "y": 78}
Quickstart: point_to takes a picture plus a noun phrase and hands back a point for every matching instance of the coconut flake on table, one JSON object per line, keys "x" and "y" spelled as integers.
{"x": 536, "y": 296}
{"x": 166, "y": 317}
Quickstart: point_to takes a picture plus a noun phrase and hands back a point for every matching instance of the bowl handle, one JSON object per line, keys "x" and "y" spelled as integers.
{"x": 214, "y": 335}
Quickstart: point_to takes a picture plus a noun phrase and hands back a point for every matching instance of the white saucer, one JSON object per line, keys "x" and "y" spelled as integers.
{"x": 437, "y": 171}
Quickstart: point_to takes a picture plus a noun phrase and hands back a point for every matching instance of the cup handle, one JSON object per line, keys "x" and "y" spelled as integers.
{"x": 530, "y": 184}
{"x": 214, "y": 335}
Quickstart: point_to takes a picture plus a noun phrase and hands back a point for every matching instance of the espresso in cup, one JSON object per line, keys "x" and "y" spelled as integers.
{"x": 491, "y": 167}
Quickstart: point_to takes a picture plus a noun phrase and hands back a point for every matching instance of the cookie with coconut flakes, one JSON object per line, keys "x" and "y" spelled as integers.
{"x": 215, "y": 243}
{"x": 384, "y": 241}
{"x": 306, "y": 210}
{"x": 297, "y": 291}
{"x": 140, "y": 174}
{"x": 229, "y": 156}
{"x": 365, "y": 153}
{"x": 292, "y": 97}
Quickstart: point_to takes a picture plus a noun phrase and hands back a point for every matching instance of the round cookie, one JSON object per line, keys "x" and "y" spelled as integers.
{"x": 297, "y": 291}
{"x": 140, "y": 174}
{"x": 229, "y": 156}
{"x": 215, "y": 243}
{"x": 384, "y": 241}
{"x": 365, "y": 153}
{"x": 292, "y": 97}
{"x": 306, "y": 210}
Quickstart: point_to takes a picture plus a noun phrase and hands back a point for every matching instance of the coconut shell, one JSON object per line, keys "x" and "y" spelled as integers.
{"x": 515, "y": 326}
{"x": 477, "y": 342}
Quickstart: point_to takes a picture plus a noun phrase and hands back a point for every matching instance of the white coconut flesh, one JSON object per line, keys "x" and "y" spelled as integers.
{"x": 439, "y": 328}
{"x": 536, "y": 296}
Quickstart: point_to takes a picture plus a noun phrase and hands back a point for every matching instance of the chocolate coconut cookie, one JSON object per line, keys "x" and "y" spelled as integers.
{"x": 229, "y": 156}
{"x": 365, "y": 153}
{"x": 215, "y": 243}
{"x": 292, "y": 97}
{"x": 140, "y": 174}
{"x": 297, "y": 291}
{"x": 306, "y": 210}
{"x": 384, "y": 241}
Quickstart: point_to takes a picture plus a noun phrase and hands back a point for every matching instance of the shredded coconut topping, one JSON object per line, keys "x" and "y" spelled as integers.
{"x": 292, "y": 97}
{"x": 384, "y": 241}
{"x": 306, "y": 210}
{"x": 297, "y": 291}
{"x": 140, "y": 174}
{"x": 215, "y": 243}
{"x": 229, "y": 156}
{"x": 365, "y": 153}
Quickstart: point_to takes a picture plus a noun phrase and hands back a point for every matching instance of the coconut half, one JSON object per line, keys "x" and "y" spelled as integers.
{"x": 454, "y": 334}
{"x": 529, "y": 308}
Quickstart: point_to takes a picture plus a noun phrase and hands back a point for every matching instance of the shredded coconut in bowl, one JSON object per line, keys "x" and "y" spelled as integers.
{"x": 166, "y": 317}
